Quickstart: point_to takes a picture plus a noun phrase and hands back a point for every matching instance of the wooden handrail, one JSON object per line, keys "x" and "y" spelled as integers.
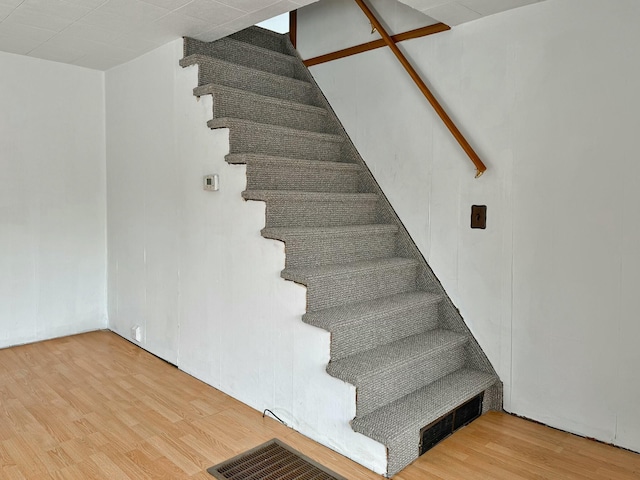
{"x": 480, "y": 167}
{"x": 293, "y": 27}
{"x": 365, "y": 47}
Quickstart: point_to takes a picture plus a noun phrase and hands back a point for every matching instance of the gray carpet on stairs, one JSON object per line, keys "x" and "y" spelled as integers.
{"x": 395, "y": 334}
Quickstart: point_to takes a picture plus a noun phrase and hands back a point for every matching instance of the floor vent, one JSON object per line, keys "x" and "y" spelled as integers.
{"x": 440, "y": 429}
{"x": 272, "y": 461}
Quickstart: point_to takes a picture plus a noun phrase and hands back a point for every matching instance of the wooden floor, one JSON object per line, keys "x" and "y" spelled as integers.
{"x": 95, "y": 406}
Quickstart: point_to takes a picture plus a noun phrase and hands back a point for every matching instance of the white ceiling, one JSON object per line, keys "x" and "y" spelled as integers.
{"x": 101, "y": 34}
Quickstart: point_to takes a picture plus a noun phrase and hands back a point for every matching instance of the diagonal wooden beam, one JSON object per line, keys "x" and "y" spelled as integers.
{"x": 480, "y": 167}
{"x": 365, "y": 47}
{"x": 293, "y": 27}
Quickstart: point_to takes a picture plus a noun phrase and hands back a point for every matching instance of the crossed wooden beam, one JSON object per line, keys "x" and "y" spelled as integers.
{"x": 391, "y": 41}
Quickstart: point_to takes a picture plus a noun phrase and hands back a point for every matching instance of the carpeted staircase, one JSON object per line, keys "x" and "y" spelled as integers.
{"x": 395, "y": 334}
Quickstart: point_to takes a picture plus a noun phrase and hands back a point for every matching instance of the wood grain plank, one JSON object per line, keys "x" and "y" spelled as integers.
{"x": 109, "y": 410}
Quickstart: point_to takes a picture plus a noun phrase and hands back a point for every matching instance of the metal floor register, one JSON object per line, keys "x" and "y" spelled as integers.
{"x": 272, "y": 461}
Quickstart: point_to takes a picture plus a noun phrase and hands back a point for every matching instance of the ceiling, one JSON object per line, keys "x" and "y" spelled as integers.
{"x": 101, "y": 34}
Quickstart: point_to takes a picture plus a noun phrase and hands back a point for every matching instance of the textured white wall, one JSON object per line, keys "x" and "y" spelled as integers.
{"x": 455, "y": 12}
{"x": 191, "y": 268}
{"x": 52, "y": 200}
{"x": 548, "y": 96}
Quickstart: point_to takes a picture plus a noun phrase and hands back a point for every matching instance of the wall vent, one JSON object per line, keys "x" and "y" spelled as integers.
{"x": 437, "y": 431}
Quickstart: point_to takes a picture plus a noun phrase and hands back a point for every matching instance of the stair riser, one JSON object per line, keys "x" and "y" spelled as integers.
{"x": 261, "y": 39}
{"x": 254, "y": 139}
{"x": 256, "y": 82}
{"x": 277, "y": 87}
{"x": 376, "y": 331}
{"x": 399, "y": 456}
{"x": 286, "y": 177}
{"x": 313, "y": 251}
{"x": 333, "y": 291}
{"x": 226, "y": 104}
{"x": 235, "y": 52}
{"x": 396, "y": 383}
{"x": 319, "y": 214}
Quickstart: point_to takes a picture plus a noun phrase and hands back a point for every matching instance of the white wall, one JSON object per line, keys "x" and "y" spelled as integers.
{"x": 548, "y": 96}
{"x": 191, "y": 268}
{"x": 52, "y": 200}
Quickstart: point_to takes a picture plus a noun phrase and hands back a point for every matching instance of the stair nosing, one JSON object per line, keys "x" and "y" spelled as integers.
{"x": 404, "y": 424}
{"x": 372, "y": 228}
{"x": 350, "y": 268}
{"x": 315, "y": 318}
{"x": 237, "y": 158}
{"x": 302, "y": 162}
{"x": 219, "y": 122}
{"x": 196, "y": 58}
{"x": 318, "y": 196}
{"x": 366, "y": 373}
{"x": 260, "y": 50}
{"x": 264, "y": 31}
{"x": 303, "y": 107}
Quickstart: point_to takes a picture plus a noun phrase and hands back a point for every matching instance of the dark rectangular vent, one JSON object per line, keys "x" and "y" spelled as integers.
{"x": 437, "y": 431}
{"x": 468, "y": 412}
{"x": 272, "y": 461}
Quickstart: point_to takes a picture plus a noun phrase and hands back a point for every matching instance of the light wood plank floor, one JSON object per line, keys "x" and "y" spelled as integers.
{"x": 95, "y": 406}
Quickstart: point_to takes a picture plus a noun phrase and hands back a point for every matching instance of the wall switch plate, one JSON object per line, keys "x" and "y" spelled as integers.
{"x": 211, "y": 182}
{"x": 479, "y": 216}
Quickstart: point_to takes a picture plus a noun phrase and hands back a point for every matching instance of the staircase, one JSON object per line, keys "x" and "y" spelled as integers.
{"x": 395, "y": 335}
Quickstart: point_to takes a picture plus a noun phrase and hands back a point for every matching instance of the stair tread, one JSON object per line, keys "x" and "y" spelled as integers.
{"x": 393, "y": 356}
{"x": 196, "y": 58}
{"x": 263, "y": 33}
{"x": 242, "y": 158}
{"x": 224, "y": 122}
{"x": 296, "y": 195}
{"x": 344, "y": 315}
{"x": 267, "y": 99}
{"x": 261, "y": 51}
{"x": 306, "y": 273}
{"x": 292, "y": 232}
{"x": 422, "y": 407}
